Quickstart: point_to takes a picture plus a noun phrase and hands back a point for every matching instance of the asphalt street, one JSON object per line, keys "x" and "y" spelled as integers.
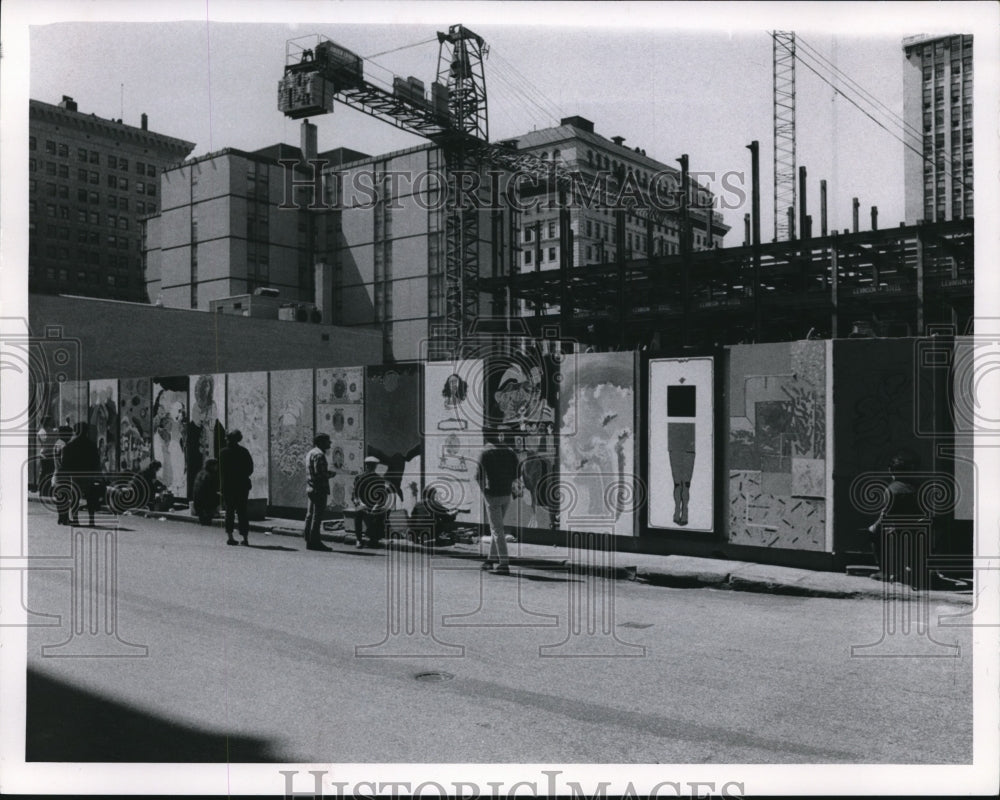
{"x": 275, "y": 654}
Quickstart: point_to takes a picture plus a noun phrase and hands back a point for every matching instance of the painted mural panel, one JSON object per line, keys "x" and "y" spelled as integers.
{"x": 886, "y": 403}
{"x": 102, "y": 419}
{"x": 340, "y": 385}
{"x": 170, "y": 432}
{"x": 777, "y": 455}
{"x": 340, "y": 412}
{"x": 72, "y": 403}
{"x": 522, "y": 395}
{"x": 291, "y": 412}
{"x": 681, "y": 444}
{"x": 597, "y": 443}
{"x": 393, "y": 429}
{"x": 453, "y": 433}
{"x": 135, "y": 403}
{"x": 207, "y": 431}
{"x": 246, "y": 411}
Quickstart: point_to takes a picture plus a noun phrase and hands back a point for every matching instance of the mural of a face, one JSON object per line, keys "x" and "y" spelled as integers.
{"x": 337, "y": 458}
{"x": 338, "y": 421}
{"x": 339, "y": 388}
{"x": 204, "y": 391}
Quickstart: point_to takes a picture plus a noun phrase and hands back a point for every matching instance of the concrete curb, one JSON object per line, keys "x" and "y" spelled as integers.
{"x": 705, "y": 573}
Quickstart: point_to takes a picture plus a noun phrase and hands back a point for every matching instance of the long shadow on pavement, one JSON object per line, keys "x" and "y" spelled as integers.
{"x": 66, "y": 723}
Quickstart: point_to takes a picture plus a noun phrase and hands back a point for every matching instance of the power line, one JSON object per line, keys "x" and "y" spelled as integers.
{"x": 925, "y": 158}
{"x": 812, "y": 51}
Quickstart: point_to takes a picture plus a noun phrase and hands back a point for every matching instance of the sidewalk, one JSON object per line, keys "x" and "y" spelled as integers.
{"x": 672, "y": 571}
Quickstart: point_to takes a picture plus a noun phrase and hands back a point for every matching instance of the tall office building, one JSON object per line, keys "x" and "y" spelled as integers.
{"x": 575, "y": 146}
{"x": 937, "y": 110}
{"x": 91, "y": 181}
{"x": 221, "y": 229}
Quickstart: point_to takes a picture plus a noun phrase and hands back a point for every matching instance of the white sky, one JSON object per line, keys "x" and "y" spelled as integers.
{"x": 701, "y": 89}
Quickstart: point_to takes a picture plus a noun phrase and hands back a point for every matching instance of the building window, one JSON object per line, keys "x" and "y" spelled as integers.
{"x": 150, "y": 170}
{"x": 112, "y": 182}
{"x": 527, "y": 256}
{"x": 123, "y": 184}
{"x": 123, "y": 163}
{"x": 113, "y": 162}
{"x": 528, "y": 234}
{"x": 50, "y": 168}
{"x": 95, "y": 157}
{"x": 140, "y": 187}
{"x": 552, "y": 230}
{"x": 552, "y": 254}
{"x": 123, "y": 204}
{"x": 64, "y": 171}
{"x": 50, "y": 147}
{"x": 95, "y": 178}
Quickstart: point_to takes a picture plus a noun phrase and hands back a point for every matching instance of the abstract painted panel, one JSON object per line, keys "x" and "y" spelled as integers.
{"x": 453, "y": 433}
{"x": 135, "y": 403}
{"x": 246, "y": 411}
{"x": 392, "y": 428}
{"x": 597, "y": 443}
{"x": 207, "y": 432}
{"x": 777, "y": 445}
{"x": 681, "y": 444}
{"x": 102, "y": 419}
{"x": 291, "y": 412}
{"x": 170, "y": 432}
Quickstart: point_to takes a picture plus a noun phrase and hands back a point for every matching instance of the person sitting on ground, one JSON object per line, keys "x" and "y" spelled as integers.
{"x": 151, "y": 486}
{"x": 430, "y": 518}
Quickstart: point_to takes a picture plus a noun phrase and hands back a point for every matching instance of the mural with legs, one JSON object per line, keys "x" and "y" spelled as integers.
{"x": 170, "y": 432}
{"x": 102, "y": 422}
{"x": 681, "y": 444}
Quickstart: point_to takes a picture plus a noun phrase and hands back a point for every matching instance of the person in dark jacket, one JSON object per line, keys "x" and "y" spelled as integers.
{"x": 151, "y": 485}
{"x": 496, "y": 473}
{"x": 206, "y": 492}
{"x": 62, "y": 483}
{"x": 81, "y": 462}
{"x": 235, "y": 469}
{"x": 899, "y": 513}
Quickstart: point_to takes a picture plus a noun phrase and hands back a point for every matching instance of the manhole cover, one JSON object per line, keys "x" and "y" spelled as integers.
{"x": 434, "y": 676}
{"x": 636, "y": 625}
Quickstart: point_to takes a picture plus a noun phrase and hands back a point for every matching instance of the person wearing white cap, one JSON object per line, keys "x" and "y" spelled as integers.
{"x": 372, "y": 495}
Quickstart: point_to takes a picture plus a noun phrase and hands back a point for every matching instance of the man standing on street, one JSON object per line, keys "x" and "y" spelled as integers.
{"x": 235, "y": 469}
{"x": 317, "y": 491}
{"x": 495, "y": 474}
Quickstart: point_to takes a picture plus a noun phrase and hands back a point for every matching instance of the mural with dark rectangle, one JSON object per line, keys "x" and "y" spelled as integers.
{"x": 135, "y": 404}
{"x": 777, "y": 454}
{"x": 170, "y": 432}
{"x": 681, "y": 444}
{"x": 393, "y": 429}
{"x": 597, "y": 442}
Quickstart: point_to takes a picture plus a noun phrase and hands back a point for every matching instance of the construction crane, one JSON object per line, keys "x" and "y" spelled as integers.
{"x": 318, "y": 71}
{"x": 783, "y": 62}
